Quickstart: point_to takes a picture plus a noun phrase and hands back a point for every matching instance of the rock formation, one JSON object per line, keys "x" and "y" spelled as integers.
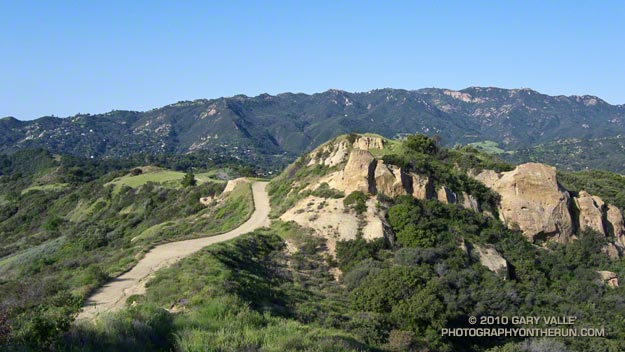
{"x": 532, "y": 200}
{"x": 469, "y": 202}
{"x": 389, "y": 180}
{"x": 422, "y": 187}
{"x": 490, "y": 258}
{"x": 446, "y": 196}
{"x": 358, "y": 171}
{"x": 615, "y": 227}
{"x": 368, "y": 142}
{"x": 590, "y": 212}
{"x": 609, "y": 278}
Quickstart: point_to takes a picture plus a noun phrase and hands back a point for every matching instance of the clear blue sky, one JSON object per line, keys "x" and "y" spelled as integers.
{"x": 66, "y": 57}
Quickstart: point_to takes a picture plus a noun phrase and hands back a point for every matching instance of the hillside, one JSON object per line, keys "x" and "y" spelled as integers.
{"x": 69, "y": 225}
{"x": 375, "y": 244}
{"x": 275, "y": 129}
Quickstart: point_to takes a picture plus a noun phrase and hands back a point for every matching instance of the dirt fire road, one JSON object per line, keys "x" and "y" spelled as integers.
{"x": 112, "y": 296}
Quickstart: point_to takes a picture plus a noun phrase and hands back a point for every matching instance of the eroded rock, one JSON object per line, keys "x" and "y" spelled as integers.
{"x": 446, "y": 196}
{"x": 532, "y": 200}
{"x": 422, "y": 187}
{"x": 615, "y": 224}
{"x": 590, "y": 212}
{"x": 609, "y": 278}
{"x": 490, "y": 258}
{"x": 358, "y": 172}
{"x": 368, "y": 142}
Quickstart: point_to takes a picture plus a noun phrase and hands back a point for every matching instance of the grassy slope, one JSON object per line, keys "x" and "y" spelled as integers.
{"x": 168, "y": 178}
{"x": 82, "y": 236}
{"x": 221, "y": 293}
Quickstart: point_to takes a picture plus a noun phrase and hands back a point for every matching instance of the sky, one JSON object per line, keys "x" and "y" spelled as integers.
{"x": 67, "y": 57}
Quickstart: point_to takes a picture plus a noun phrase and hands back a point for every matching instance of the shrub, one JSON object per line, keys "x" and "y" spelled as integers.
{"x": 357, "y": 201}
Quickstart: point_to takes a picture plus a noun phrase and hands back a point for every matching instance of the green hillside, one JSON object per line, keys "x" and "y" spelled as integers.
{"x": 274, "y": 130}
{"x": 278, "y": 288}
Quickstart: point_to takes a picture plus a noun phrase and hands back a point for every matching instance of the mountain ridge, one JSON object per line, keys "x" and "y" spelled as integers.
{"x": 285, "y": 125}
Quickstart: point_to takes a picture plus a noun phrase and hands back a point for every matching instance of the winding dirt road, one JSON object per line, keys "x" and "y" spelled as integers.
{"x": 112, "y": 296}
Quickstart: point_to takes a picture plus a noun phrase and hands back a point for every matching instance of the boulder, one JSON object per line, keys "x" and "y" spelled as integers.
{"x": 609, "y": 278}
{"x": 388, "y": 180}
{"x": 490, "y": 258}
{"x": 532, "y": 200}
{"x": 590, "y": 210}
{"x": 331, "y": 154}
{"x": 611, "y": 251}
{"x": 615, "y": 224}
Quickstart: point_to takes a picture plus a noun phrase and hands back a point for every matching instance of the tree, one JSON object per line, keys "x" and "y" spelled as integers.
{"x": 188, "y": 180}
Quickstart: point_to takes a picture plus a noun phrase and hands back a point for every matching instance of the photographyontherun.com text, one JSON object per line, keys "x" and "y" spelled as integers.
{"x": 524, "y": 326}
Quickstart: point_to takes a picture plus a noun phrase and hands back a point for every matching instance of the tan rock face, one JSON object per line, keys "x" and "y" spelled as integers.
{"x": 469, "y": 202}
{"x": 446, "y": 196}
{"x": 331, "y": 154}
{"x": 422, "y": 187}
{"x": 590, "y": 212}
{"x": 532, "y": 199}
{"x": 356, "y": 175}
{"x": 609, "y": 278}
{"x": 388, "y": 180}
{"x": 368, "y": 142}
{"x": 232, "y": 184}
{"x": 366, "y": 174}
{"x": 490, "y": 258}
{"x": 615, "y": 224}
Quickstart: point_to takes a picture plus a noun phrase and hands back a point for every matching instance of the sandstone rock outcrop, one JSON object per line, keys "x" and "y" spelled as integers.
{"x": 422, "y": 187}
{"x": 615, "y": 226}
{"x": 446, "y": 196}
{"x": 490, "y": 258}
{"x": 590, "y": 212}
{"x": 389, "y": 180}
{"x": 532, "y": 200}
{"x": 469, "y": 202}
{"x": 330, "y": 154}
{"x": 609, "y": 278}
{"x": 364, "y": 173}
{"x": 368, "y": 142}
{"x": 358, "y": 172}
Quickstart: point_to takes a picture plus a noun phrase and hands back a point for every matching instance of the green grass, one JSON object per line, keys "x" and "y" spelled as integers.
{"x": 153, "y": 231}
{"x": 488, "y": 146}
{"x": 229, "y": 299}
{"x": 16, "y": 261}
{"x": 79, "y": 212}
{"x": 167, "y": 178}
{"x": 44, "y": 188}
{"x": 233, "y": 210}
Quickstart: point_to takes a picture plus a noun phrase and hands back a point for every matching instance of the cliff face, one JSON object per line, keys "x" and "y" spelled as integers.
{"x": 531, "y": 199}
{"x": 534, "y": 202}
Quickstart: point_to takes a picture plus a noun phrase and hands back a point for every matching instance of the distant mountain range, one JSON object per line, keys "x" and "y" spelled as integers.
{"x": 285, "y": 125}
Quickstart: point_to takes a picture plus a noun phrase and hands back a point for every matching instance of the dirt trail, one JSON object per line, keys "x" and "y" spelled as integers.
{"x": 112, "y": 296}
